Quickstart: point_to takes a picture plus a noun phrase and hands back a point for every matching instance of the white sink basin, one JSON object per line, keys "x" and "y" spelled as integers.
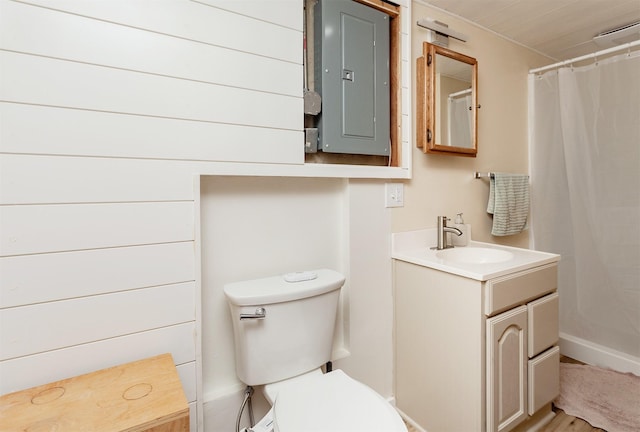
{"x": 475, "y": 255}
{"x": 478, "y": 260}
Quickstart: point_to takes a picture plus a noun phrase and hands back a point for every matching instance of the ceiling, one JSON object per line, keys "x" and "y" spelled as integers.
{"x": 560, "y": 29}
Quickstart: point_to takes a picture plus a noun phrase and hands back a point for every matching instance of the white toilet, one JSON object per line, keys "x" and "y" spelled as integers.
{"x": 283, "y": 328}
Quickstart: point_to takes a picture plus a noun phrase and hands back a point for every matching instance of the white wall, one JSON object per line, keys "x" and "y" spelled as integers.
{"x": 444, "y": 185}
{"x": 110, "y": 111}
{"x": 255, "y": 227}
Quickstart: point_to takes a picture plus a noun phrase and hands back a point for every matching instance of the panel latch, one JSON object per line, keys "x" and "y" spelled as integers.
{"x": 347, "y": 75}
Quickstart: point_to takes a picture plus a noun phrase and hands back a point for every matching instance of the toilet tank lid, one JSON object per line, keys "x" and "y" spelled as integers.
{"x": 276, "y": 289}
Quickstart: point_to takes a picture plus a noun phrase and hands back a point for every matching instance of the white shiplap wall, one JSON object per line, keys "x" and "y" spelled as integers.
{"x": 108, "y": 109}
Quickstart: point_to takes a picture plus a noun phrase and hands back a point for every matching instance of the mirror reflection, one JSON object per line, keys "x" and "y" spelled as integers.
{"x": 453, "y": 102}
{"x": 447, "y": 89}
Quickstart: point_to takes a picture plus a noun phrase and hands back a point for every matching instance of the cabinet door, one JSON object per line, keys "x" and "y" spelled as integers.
{"x": 543, "y": 325}
{"x": 544, "y": 379}
{"x": 507, "y": 370}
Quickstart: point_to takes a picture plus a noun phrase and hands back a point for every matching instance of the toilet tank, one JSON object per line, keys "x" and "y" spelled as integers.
{"x": 296, "y": 334}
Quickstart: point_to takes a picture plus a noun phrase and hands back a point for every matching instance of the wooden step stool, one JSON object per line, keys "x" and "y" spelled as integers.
{"x": 143, "y": 396}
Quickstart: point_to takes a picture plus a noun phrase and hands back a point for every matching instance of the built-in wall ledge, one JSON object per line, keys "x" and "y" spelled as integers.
{"x": 303, "y": 170}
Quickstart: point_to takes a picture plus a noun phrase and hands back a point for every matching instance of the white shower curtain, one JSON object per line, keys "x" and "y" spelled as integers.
{"x": 585, "y": 195}
{"x": 460, "y": 120}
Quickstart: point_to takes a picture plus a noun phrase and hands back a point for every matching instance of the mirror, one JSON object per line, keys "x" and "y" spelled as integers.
{"x": 447, "y": 102}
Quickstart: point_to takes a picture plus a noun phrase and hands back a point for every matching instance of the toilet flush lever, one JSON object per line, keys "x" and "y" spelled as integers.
{"x": 260, "y": 313}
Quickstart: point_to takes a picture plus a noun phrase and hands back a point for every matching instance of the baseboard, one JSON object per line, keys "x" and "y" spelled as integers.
{"x": 538, "y": 421}
{"x": 598, "y": 355}
{"x": 220, "y": 409}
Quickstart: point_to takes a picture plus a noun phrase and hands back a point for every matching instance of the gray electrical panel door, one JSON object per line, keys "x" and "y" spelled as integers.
{"x": 352, "y": 75}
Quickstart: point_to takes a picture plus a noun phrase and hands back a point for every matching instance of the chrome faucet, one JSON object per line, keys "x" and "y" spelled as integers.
{"x": 443, "y": 229}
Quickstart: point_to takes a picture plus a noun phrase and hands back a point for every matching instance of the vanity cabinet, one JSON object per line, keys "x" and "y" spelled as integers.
{"x": 476, "y": 355}
{"x": 506, "y": 369}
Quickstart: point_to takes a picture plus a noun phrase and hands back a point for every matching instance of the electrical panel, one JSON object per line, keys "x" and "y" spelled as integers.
{"x": 351, "y": 69}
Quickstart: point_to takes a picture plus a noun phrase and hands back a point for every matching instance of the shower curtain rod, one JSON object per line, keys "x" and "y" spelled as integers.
{"x": 597, "y": 54}
{"x": 460, "y": 93}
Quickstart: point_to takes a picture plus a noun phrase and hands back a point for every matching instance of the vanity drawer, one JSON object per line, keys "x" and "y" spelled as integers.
{"x": 544, "y": 379}
{"x": 543, "y": 324}
{"x": 508, "y": 291}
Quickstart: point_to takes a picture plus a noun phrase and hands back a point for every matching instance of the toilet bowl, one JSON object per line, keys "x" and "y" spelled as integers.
{"x": 333, "y": 402}
{"x": 283, "y": 333}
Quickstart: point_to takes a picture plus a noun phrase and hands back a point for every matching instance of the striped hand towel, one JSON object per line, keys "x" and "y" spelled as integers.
{"x": 508, "y": 203}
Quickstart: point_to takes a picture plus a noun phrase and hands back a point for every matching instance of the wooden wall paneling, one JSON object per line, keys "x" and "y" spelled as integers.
{"x": 77, "y": 38}
{"x": 407, "y": 66}
{"x": 406, "y": 132}
{"x": 193, "y": 416}
{"x": 98, "y": 260}
{"x": 32, "y": 370}
{"x": 29, "y": 279}
{"x": 62, "y": 131}
{"x": 194, "y": 21}
{"x": 29, "y": 179}
{"x": 77, "y": 85}
{"x": 405, "y": 102}
{"x": 82, "y": 320}
{"x": 66, "y": 227}
{"x": 198, "y": 414}
{"x": 406, "y": 70}
{"x": 187, "y": 373}
{"x": 287, "y": 13}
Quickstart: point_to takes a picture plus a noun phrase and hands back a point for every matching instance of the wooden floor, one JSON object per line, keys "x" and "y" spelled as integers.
{"x": 562, "y": 422}
{"x": 566, "y": 423}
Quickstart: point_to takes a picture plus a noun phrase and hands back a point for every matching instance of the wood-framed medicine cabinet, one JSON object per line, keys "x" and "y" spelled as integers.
{"x": 446, "y": 102}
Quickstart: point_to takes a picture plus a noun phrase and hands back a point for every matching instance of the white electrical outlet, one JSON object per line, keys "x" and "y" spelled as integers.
{"x": 394, "y": 195}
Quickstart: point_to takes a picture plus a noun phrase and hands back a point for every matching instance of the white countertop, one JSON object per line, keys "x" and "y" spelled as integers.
{"x": 415, "y": 247}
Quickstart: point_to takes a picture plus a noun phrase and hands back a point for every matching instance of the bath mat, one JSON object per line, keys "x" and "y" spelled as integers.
{"x": 606, "y": 399}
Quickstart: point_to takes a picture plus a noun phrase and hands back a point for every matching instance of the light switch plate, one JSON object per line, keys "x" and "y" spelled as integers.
{"x": 394, "y": 195}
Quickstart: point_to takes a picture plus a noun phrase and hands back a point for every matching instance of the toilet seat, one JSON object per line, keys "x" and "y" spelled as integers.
{"x": 334, "y": 402}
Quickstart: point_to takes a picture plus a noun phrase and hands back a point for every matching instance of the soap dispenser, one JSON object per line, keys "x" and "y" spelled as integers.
{"x": 461, "y": 240}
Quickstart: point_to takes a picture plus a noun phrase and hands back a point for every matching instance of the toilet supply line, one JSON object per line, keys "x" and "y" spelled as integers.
{"x": 264, "y": 425}
{"x": 248, "y": 392}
